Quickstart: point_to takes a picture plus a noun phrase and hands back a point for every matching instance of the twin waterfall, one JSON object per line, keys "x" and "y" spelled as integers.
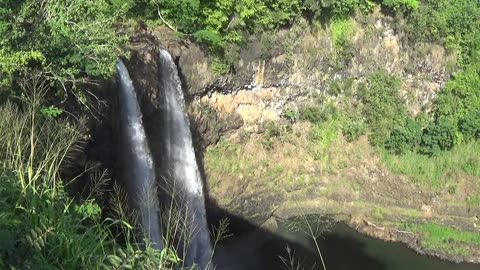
{"x": 178, "y": 159}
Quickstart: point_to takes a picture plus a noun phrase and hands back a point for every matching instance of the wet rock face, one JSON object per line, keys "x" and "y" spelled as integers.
{"x": 143, "y": 68}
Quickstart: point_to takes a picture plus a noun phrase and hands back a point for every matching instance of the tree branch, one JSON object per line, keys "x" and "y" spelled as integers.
{"x": 165, "y": 22}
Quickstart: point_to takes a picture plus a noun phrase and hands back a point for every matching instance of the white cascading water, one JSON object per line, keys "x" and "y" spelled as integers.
{"x": 137, "y": 164}
{"x": 181, "y": 162}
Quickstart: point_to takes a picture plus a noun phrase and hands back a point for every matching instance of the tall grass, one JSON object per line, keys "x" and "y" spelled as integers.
{"x": 41, "y": 225}
{"x": 313, "y": 227}
{"x": 438, "y": 171}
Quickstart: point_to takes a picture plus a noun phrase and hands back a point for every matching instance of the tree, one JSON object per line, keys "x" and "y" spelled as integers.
{"x": 441, "y": 136}
{"x": 470, "y": 126}
{"x": 405, "y": 138}
{"x": 70, "y": 42}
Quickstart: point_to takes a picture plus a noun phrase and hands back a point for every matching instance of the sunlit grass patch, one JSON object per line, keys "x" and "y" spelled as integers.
{"x": 442, "y": 237}
{"x": 438, "y": 171}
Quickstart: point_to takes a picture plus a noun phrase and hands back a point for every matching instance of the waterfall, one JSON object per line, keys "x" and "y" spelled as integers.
{"x": 179, "y": 159}
{"x": 136, "y": 160}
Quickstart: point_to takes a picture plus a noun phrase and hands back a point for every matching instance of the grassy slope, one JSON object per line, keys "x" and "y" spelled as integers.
{"x": 294, "y": 162}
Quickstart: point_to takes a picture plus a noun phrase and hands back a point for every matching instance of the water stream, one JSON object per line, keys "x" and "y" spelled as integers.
{"x": 136, "y": 161}
{"x": 180, "y": 162}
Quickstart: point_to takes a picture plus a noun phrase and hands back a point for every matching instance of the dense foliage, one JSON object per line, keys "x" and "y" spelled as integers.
{"x": 454, "y": 24}
{"x": 383, "y": 106}
{"x": 41, "y": 225}
{"x": 70, "y": 42}
{"x": 63, "y": 46}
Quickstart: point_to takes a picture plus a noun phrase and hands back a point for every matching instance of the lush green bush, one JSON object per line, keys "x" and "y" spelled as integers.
{"x": 460, "y": 96}
{"x": 184, "y": 14}
{"x": 405, "y": 138}
{"x": 384, "y": 109}
{"x": 70, "y": 45}
{"x": 395, "y": 4}
{"x": 470, "y": 125}
{"x": 440, "y": 136}
{"x": 451, "y": 22}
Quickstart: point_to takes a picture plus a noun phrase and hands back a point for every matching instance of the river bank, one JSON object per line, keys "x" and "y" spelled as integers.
{"x": 351, "y": 182}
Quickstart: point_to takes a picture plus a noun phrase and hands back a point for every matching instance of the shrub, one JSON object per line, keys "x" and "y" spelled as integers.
{"x": 69, "y": 43}
{"x": 404, "y": 139}
{"x": 342, "y": 31}
{"x": 395, "y": 4}
{"x": 311, "y": 113}
{"x": 272, "y": 131}
{"x": 220, "y": 67}
{"x": 353, "y": 128}
{"x": 450, "y": 21}
{"x": 384, "y": 109}
{"x": 461, "y": 94}
{"x": 291, "y": 115}
{"x": 441, "y": 136}
{"x": 184, "y": 14}
{"x": 210, "y": 38}
{"x": 470, "y": 126}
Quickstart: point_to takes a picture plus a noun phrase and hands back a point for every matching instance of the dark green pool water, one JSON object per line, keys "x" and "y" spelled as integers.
{"x": 345, "y": 249}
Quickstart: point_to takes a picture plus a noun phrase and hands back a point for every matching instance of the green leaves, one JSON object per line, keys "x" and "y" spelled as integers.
{"x": 470, "y": 125}
{"x": 89, "y": 210}
{"x": 183, "y": 14}
{"x": 405, "y": 138}
{"x": 384, "y": 109}
{"x": 455, "y": 23}
{"x": 51, "y": 111}
{"x": 38, "y": 236}
{"x": 209, "y": 37}
{"x": 70, "y": 42}
{"x": 395, "y": 4}
{"x": 441, "y": 136}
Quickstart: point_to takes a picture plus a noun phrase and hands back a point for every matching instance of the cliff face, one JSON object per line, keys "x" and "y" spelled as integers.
{"x": 256, "y": 177}
{"x": 292, "y": 66}
{"x": 276, "y": 72}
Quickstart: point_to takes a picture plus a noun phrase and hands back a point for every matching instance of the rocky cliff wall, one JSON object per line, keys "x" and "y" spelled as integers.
{"x": 275, "y": 71}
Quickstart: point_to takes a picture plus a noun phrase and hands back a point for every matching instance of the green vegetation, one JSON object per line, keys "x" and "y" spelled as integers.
{"x": 384, "y": 108}
{"x": 62, "y": 49}
{"x": 42, "y": 227}
{"x": 405, "y": 138}
{"x": 70, "y": 45}
{"x": 342, "y": 31}
{"x": 441, "y": 237}
{"x": 439, "y": 171}
{"x": 453, "y": 23}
